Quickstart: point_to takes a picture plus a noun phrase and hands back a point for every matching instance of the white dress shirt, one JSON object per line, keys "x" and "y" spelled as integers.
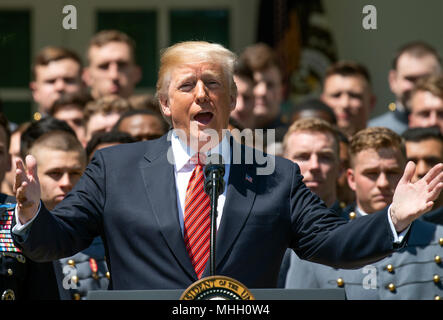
{"x": 183, "y": 168}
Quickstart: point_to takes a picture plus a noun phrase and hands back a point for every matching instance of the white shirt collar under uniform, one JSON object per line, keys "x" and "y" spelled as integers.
{"x": 359, "y": 212}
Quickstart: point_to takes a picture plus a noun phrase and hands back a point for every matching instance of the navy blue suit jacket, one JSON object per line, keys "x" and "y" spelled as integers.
{"x": 128, "y": 196}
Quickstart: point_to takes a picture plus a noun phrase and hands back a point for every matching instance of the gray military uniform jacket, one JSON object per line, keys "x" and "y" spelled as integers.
{"x": 396, "y": 120}
{"x": 83, "y": 272}
{"x": 414, "y": 272}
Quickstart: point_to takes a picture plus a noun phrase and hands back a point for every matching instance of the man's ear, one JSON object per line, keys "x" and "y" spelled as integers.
{"x": 351, "y": 178}
{"x": 34, "y": 92}
{"x": 86, "y": 77}
{"x": 392, "y": 79}
{"x": 164, "y": 105}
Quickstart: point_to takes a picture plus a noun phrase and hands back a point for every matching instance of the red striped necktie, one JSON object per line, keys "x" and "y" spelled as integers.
{"x": 197, "y": 220}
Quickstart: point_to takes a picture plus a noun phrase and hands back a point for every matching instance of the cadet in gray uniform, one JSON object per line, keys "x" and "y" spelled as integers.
{"x": 377, "y": 159}
{"x": 314, "y": 144}
{"x": 84, "y": 271}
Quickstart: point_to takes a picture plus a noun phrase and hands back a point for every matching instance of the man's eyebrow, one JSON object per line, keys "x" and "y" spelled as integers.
{"x": 211, "y": 73}
{"x": 375, "y": 167}
{"x": 62, "y": 167}
{"x": 185, "y": 76}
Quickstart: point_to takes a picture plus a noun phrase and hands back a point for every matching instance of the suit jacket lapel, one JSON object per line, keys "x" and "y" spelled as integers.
{"x": 159, "y": 179}
{"x": 240, "y": 195}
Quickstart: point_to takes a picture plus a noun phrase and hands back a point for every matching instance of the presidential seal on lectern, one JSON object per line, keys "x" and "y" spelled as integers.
{"x": 217, "y": 288}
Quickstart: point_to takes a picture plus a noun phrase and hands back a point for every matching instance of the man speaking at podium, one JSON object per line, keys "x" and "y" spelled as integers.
{"x": 145, "y": 199}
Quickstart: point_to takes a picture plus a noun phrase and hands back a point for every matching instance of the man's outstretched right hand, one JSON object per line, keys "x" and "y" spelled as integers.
{"x": 27, "y": 189}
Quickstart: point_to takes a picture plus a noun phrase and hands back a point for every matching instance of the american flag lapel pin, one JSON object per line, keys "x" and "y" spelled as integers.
{"x": 248, "y": 178}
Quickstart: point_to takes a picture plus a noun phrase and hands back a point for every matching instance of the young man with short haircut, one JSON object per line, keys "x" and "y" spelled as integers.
{"x": 347, "y": 90}
{"x": 56, "y": 71}
{"x": 427, "y": 103}
{"x": 61, "y": 161}
{"x": 112, "y": 67}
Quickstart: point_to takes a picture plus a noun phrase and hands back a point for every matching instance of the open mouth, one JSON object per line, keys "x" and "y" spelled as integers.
{"x": 203, "y": 117}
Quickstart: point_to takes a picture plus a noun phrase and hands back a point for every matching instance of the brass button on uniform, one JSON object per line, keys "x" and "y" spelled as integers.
{"x": 437, "y": 298}
{"x": 392, "y": 107}
{"x": 71, "y": 262}
{"x": 8, "y": 294}
{"x": 74, "y": 279}
{"x": 391, "y": 287}
{"x": 352, "y": 215}
{"x": 390, "y": 268}
{"x": 37, "y": 116}
{"x": 340, "y": 282}
{"x": 436, "y": 278}
{"x": 440, "y": 241}
{"x": 437, "y": 259}
{"x": 108, "y": 275}
{"x": 76, "y": 296}
{"x": 21, "y": 258}
{"x": 10, "y": 272}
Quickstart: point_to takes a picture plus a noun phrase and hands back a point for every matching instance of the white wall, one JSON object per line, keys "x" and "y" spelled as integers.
{"x": 398, "y": 22}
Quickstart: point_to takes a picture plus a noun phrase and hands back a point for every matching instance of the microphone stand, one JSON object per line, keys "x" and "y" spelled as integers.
{"x": 214, "y": 186}
{"x": 214, "y": 200}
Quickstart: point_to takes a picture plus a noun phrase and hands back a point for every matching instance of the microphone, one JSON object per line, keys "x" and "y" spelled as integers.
{"x": 214, "y": 172}
{"x": 214, "y": 186}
